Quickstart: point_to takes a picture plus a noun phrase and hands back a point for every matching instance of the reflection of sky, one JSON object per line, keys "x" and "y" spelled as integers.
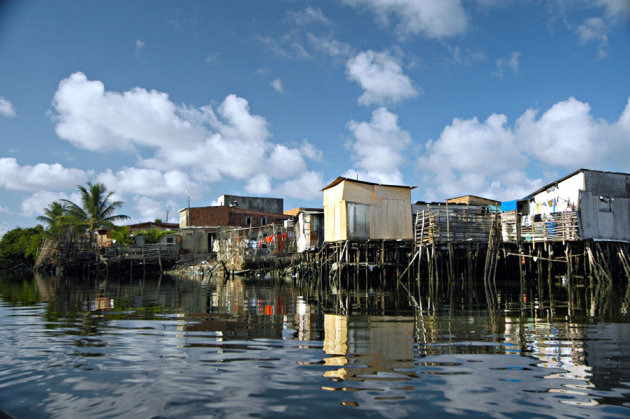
{"x": 224, "y": 354}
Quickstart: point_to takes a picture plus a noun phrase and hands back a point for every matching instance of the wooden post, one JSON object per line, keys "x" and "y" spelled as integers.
{"x": 539, "y": 270}
{"x": 382, "y": 263}
{"x": 521, "y": 274}
{"x": 567, "y": 252}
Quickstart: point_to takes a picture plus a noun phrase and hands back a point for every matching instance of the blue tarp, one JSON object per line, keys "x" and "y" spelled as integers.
{"x": 508, "y": 206}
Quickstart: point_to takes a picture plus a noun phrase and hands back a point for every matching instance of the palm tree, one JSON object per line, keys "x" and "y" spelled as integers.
{"x": 53, "y": 215}
{"x": 96, "y": 210}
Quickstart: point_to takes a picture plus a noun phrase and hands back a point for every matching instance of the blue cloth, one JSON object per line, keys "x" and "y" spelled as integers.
{"x": 508, "y": 206}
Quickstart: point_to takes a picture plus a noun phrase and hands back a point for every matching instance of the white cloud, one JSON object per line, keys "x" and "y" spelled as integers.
{"x": 565, "y": 135}
{"x": 204, "y": 144}
{"x": 615, "y": 9}
{"x": 285, "y": 162}
{"x": 259, "y": 184}
{"x": 435, "y": 19}
{"x": 491, "y": 158}
{"x": 472, "y": 157}
{"x": 151, "y": 209}
{"x": 465, "y": 56}
{"x": 287, "y": 46}
{"x": 308, "y": 16}
{"x": 4, "y": 210}
{"x": 277, "y": 86}
{"x": 329, "y": 46}
{"x": 6, "y": 108}
{"x": 35, "y": 204}
{"x": 149, "y": 182}
{"x": 41, "y": 176}
{"x": 140, "y": 46}
{"x": 511, "y": 63}
{"x": 310, "y": 151}
{"x": 379, "y": 147}
{"x": 594, "y": 29}
{"x": 381, "y": 76}
{"x": 307, "y": 186}
{"x": 96, "y": 120}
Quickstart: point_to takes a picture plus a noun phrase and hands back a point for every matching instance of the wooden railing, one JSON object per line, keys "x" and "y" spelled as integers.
{"x": 559, "y": 226}
{"x": 454, "y": 224}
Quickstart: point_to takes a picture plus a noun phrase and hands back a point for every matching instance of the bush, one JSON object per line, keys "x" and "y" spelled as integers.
{"x": 19, "y": 247}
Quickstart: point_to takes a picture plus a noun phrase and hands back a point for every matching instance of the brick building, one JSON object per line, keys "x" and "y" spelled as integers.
{"x": 199, "y": 225}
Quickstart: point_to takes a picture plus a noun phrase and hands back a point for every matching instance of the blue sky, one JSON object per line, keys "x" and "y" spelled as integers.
{"x": 162, "y": 100}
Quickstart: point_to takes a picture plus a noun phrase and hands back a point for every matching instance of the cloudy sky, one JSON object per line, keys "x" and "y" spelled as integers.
{"x": 163, "y": 100}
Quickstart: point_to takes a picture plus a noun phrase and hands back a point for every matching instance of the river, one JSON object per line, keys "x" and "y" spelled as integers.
{"x": 165, "y": 347}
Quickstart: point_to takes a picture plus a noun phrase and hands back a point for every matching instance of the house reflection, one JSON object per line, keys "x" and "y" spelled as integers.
{"x": 369, "y": 347}
{"x": 236, "y": 310}
{"x": 559, "y": 348}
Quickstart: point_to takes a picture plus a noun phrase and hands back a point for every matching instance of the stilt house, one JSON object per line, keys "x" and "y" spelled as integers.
{"x": 309, "y": 228}
{"x": 358, "y": 210}
{"x": 584, "y": 205}
{"x": 464, "y": 219}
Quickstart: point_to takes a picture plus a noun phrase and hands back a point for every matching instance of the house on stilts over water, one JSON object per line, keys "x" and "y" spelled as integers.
{"x": 366, "y": 225}
{"x": 575, "y": 229}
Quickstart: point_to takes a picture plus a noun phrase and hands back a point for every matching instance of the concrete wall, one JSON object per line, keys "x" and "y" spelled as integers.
{"x": 197, "y": 240}
{"x": 273, "y": 205}
{"x": 566, "y": 195}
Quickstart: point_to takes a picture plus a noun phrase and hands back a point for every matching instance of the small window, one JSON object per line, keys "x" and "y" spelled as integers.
{"x": 605, "y": 204}
{"x": 169, "y": 240}
{"x": 263, "y": 221}
{"x": 248, "y": 221}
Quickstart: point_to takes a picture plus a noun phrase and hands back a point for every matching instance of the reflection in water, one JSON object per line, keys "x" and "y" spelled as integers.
{"x": 178, "y": 347}
{"x": 368, "y": 348}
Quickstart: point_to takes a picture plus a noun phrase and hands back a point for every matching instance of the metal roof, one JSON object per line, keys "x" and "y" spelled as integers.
{"x": 343, "y": 179}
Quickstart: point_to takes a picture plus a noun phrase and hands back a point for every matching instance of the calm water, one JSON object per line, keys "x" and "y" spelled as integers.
{"x": 187, "y": 348}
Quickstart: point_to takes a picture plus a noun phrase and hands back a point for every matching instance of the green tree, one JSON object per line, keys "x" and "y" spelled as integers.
{"x": 55, "y": 217}
{"x": 19, "y": 246}
{"x": 153, "y": 235}
{"x": 122, "y": 235}
{"x": 97, "y": 210}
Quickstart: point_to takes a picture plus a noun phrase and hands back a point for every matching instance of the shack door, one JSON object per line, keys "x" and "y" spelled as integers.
{"x": 358, "y": 221}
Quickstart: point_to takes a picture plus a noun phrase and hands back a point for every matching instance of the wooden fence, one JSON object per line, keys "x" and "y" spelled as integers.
{"x": 454, "y": 224}
{"x": 244, "y": 247}
{"x": 559, "y": 226}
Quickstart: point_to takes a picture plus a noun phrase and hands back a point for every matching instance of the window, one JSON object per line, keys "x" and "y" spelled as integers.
{"x": 358, "y": 221}
{"x": 169, "y": 240}
{"x": 263, "y": 221}
{"x": 248, "y": 221}
{"x": 605, "y": 204}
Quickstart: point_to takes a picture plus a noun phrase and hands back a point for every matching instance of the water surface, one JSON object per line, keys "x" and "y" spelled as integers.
{"x": 163, "y": 347}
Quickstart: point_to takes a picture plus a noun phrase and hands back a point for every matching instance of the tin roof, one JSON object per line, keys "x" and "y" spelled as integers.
{"x": 343, "y": 179}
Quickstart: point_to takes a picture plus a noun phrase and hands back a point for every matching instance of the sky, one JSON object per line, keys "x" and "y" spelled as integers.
{"x": 165, "y": 102}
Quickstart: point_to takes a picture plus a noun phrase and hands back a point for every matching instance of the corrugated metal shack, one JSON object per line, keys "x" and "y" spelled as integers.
{"x": 367, "y": 231}
{"x": 358, "y": 210}
{"x": 584, "y": 205}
